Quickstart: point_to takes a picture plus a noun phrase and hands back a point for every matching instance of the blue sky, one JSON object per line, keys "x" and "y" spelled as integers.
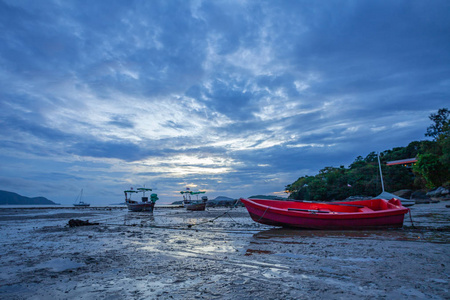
{"x": 233, "y": 97}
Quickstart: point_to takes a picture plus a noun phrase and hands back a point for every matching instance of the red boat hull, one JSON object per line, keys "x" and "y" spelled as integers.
{"x": 365, "y": 214}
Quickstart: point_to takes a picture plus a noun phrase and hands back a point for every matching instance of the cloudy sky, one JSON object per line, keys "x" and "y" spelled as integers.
{"x": 233, "y": 97}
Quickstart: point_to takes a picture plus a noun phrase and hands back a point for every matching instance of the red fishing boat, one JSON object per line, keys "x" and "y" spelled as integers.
{"x": 364, "y": 214}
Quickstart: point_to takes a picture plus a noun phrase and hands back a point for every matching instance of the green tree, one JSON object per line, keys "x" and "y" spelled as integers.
{"x": 441, "y": 123}
{"x": 362, "y": 176}
{"x": 300, "y": 189}
{"x": 318, "y": 189}
{"x": 397, "y": 177}
{"x": 432, "y": 169}
{"x": 434, "y": 158}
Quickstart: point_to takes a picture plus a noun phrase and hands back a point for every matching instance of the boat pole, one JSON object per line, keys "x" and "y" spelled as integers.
{"x": 381, "y": 173}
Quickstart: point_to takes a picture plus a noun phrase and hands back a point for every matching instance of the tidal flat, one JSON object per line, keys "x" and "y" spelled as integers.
{"x": 217, "y": 254}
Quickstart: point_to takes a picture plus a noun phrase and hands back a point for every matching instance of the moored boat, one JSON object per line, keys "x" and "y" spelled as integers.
{"x": 364, "y": 214}
{"x": 196, "y": 204}
{"x": 144, "y": 204}
{"x": 386, "y": 195}
{"x": 79, "y": 202}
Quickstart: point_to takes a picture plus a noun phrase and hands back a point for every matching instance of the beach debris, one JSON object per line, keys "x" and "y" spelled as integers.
{"x": 77, "y": 222}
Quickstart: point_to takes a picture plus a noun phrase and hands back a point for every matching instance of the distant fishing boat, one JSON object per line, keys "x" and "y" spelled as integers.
{"x": 196, "y": 204}
{"x": 364, "y": 214}
{"x": 79, "y": 202}
{"x": 144, "y": 204}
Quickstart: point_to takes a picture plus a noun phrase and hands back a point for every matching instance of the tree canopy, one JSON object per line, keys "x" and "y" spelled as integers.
{"x": 440, "y": 123}
{"x": 362, "y": 177}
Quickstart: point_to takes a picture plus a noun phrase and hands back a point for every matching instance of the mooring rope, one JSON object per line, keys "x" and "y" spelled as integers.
{"x": 105, "y": 222}
{"x": 213, "y": 219}
{"x": 231, "y": 218}
{"x": 410, "y": 217}
{"x": 263, "y": 214}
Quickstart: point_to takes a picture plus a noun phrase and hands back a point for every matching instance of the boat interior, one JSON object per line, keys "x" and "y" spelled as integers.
{"x": 344, "y": 207}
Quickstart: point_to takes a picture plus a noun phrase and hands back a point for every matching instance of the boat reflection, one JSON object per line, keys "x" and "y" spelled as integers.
{"x": 142, "y": 219}
{"x": 296, "y": 235}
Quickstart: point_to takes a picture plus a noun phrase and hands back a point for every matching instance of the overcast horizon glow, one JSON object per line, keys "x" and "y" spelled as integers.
{"x": 233, "y": 97}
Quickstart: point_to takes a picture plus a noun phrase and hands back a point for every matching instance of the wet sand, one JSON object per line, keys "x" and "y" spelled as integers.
{"x": 217, "y": 254}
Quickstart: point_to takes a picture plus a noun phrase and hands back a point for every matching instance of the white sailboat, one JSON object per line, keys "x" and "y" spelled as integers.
{"x": 79, "y": 202}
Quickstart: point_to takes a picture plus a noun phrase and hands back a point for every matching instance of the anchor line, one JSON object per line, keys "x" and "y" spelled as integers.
{"x": 263, "y": 214}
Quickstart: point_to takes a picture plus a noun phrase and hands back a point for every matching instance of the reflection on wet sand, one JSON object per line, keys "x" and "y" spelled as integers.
{"x": 138, "y": 219}
{"x": 294, "y": 234}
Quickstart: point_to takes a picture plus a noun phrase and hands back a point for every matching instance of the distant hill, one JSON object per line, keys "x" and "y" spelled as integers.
{"x": 223, "y": 198}
{"x": 9, "y": 198}
{"x": 223, "y": 201}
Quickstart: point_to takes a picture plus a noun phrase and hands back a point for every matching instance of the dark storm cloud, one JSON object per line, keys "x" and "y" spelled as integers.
{"x": 158, "y": 40}
{"x": 56, "y": 176}
{"x": 37, "y": 41}
{"x": 19, "y": 126}
{"x": 111, "y": 149}
{"x": 119, "y": 121}
{"x": 228, "y": 100}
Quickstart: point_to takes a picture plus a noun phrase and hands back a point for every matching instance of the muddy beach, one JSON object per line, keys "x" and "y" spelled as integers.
{"x": 217, "y": 254}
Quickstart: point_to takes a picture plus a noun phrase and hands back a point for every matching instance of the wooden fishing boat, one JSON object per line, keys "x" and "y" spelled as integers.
{"x": 364, "y": 214}
{"x": 193, "y": 204}
{"x": 144, "y": 204}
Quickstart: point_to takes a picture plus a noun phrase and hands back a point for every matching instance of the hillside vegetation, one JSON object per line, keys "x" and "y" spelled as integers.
{"x": 362, "y": 177}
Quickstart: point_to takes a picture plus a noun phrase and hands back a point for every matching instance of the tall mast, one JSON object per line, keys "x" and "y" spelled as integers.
{"x": 381, "y": 173}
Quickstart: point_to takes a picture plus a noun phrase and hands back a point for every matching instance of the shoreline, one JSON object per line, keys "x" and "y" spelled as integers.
{"x": 417, "y": 201}
{"x": 25, "y": 206}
